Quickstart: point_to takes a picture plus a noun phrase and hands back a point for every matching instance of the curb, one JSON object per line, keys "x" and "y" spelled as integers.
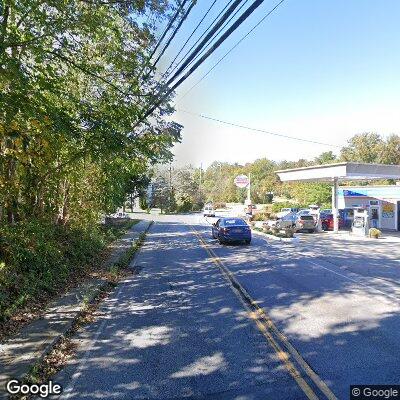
{"x": 294, "y": 239}
{"x": 36, "y": 340}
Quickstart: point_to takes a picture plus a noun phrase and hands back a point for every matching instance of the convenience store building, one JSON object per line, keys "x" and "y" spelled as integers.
{"x": 382, "y": 202}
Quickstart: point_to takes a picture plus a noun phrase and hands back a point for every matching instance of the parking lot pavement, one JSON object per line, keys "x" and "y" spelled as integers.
{"x": 372, "y": 261}
{"x": 346, "y": 326}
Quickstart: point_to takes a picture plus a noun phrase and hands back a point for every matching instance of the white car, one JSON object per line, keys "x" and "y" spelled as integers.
{"x": 120, "y": 214}
{"x": 208, "y": 211}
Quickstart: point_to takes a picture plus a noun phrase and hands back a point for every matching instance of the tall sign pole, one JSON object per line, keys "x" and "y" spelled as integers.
{"x": 248, "y": 190}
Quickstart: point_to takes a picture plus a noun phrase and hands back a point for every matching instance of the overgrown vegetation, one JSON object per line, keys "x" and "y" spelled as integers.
{"x": 38, "y": 258}
{"x": 74, "y": 81}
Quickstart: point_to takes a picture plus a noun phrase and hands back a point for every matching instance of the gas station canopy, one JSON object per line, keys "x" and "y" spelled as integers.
{"x": 345, "y": 171}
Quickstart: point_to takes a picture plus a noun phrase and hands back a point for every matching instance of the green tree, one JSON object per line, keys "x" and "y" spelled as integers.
{"x": 327, "y": 157}
{"x": 70, "y": 93}
{"x": 365, "y": 147}
{"x": 390, "y": 151}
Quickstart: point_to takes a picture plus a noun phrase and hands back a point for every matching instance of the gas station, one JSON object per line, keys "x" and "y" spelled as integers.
{"x": 369, "y": 204}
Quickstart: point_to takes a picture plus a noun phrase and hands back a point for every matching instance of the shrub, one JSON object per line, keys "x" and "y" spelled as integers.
{"x": 289, "y": 232}
{"x": 374, "y": 233}
{"x": 184, "y": 204}
{"x": 261, "y": 216}
{"x": 276, "y": 207}
{"x": 37, "y": 259}
{"x": 143, "y": 203}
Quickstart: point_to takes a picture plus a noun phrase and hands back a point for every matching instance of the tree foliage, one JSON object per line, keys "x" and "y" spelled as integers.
{"x": 217, "y": 185}
{"x": 71, "y": 93}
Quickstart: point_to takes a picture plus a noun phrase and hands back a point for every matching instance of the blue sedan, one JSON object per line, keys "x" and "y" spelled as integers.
{"x": 231, "y": 230}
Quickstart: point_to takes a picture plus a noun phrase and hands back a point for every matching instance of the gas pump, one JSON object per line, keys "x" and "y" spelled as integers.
{"x": 361, "y": 224}
{"x": 315, "y": 211}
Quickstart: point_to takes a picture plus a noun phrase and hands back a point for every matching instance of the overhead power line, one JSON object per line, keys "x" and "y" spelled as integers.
{"x": 206, "y": 39}
{"x": 259, "y": 130}
{"x": 216, "y": 34}
{"x": 234, "y": 47}
{"x": 188, "y": 39}
{"x": 185, "y": 15}
{"x": 168, "y": 27}
{"x": 166, "y": 90}
{"x": 201, "y": 37}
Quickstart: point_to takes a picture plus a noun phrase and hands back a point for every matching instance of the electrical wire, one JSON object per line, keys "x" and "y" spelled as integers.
{"x": 258, "y": 130}
{"x": 206, "y": 39}
{"x": 168, "y": 27}
{"x": 217, "y": 34}
{"x": 185, "y": 15}
{"x": 170, "y": 24}
{"x": 166, "y": 90}
{"x": 233, "y": 47}
{"x": 201, "y": 37}
{"x": 167, "y": 71}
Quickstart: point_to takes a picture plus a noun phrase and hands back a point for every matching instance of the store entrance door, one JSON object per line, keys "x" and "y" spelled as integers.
{"x": 374, "y": 217}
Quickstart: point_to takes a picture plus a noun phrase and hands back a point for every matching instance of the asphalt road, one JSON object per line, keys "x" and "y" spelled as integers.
{"x": 180, "y": 329}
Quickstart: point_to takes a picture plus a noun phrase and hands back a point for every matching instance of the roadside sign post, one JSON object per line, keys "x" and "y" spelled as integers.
{"x": 248, "y": 190}
{"x": 242, "y": 181}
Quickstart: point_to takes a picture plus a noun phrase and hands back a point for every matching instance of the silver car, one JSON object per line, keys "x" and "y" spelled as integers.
{"x": 288, "y": 221}
{"x": 305, "y": 223}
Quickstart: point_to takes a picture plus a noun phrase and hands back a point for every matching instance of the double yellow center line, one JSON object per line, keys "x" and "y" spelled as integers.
{"x": 287, "y": 354}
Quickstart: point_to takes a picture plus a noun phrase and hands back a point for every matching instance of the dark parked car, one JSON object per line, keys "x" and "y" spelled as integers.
{"x": 231, "y": 230}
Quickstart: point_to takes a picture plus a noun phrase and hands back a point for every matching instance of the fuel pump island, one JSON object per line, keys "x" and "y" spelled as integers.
{"x": 364, "y": 216}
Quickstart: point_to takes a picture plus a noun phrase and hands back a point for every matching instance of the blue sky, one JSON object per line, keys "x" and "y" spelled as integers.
{"x": 317, "y": 69}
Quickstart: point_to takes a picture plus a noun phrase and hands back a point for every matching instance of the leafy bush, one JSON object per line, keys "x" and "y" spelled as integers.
{"x": 263, "y": 216}
{"x": 276, "y": 207}
{"x": 37, "y": 259}
{"x": 219, "y": 205}
{"x": 374, "y": 233}
{"x": 184, "y": 204}
{"x": 143, "y": 203}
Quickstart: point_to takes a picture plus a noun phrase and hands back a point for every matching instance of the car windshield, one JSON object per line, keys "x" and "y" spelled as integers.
{"x": 288, "y": 217}
{"x": 307, "y": 217}
{"x": 233, "y": 221}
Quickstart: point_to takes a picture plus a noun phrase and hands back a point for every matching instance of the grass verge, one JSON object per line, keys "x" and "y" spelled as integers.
{"x": 39, "y": 262}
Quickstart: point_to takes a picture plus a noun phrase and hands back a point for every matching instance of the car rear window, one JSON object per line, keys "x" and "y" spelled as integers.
{"x": 307, "y": 217}
{"x": 234, "y": 221}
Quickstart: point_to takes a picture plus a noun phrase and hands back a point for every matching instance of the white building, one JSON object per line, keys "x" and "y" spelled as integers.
{"x": 382, "y": 202}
